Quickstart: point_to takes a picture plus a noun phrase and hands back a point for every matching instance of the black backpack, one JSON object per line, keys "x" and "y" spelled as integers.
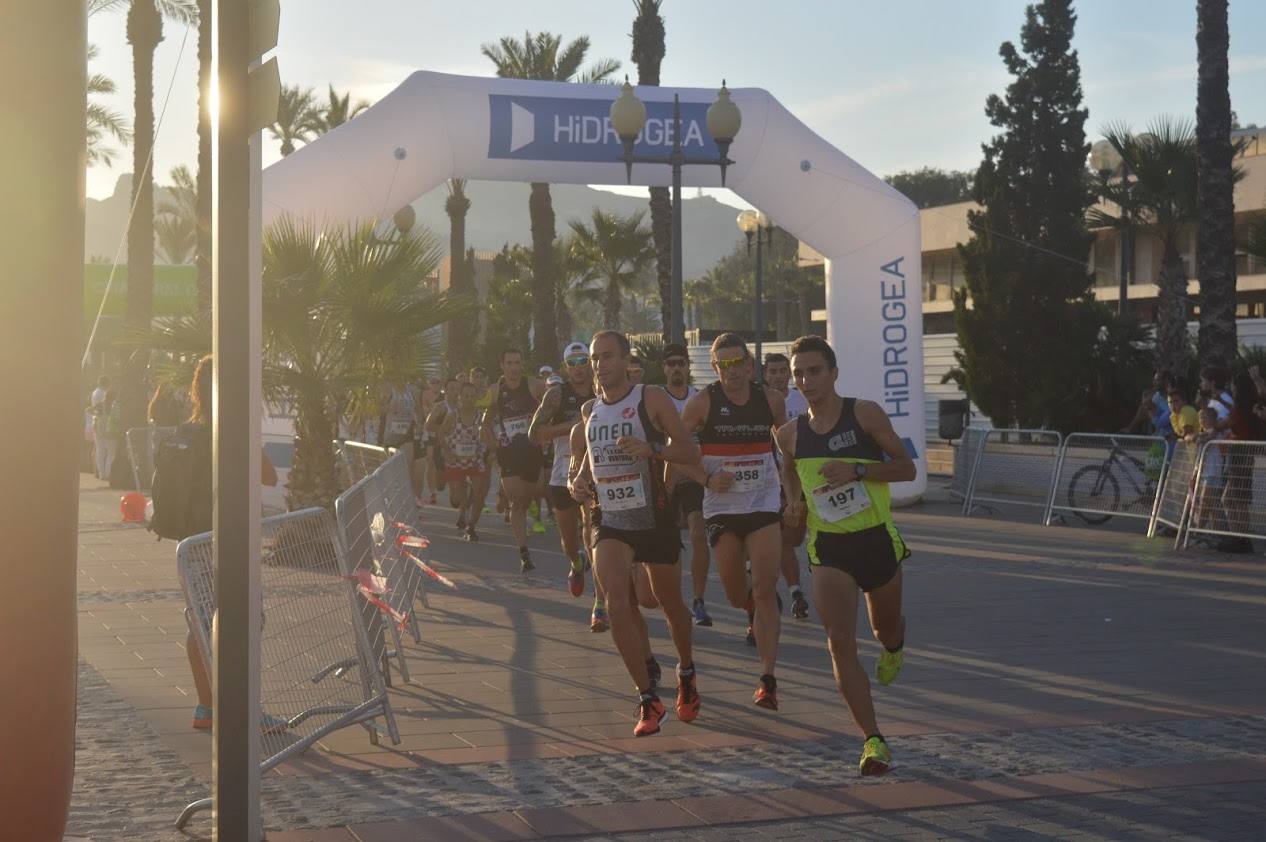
{"x": 181, "y": 490}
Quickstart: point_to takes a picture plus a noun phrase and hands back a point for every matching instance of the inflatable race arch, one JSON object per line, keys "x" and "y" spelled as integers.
{"x": 437, "y": 126}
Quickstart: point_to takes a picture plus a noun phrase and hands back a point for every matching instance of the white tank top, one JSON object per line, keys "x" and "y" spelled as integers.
{"x": 630, "y": 490}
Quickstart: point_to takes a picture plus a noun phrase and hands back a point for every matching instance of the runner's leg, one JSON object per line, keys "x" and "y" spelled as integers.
{"x": 478, "y": 491}
{"x": 665, "y": 583}
{"x": 612, "y": 563}
{"x": 764, "y": 548}
{"x": 887, "y": 622}
{"x": 699, "y": 553}
{"x": 457, "y": 490}
{"x": 732, "y": 570}
{"x": 518, "y": 496}
{"x": 835, "y": 594}
{"x": 569, "y": 533}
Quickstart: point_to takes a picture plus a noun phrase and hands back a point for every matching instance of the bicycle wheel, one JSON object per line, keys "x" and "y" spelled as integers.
{"x": 1094, "y": 487}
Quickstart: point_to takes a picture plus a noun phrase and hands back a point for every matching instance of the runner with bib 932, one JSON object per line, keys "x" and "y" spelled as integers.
{"x": 842, "y": 454}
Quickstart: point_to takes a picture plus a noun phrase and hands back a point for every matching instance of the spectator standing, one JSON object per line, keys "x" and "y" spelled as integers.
{"x": 1237, "y": 498}
{"x": 164, "y": 407}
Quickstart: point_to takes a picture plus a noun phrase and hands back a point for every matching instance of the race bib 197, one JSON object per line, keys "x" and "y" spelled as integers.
{"x": 749, "y": 474}
{"x": 836, "y": 504}
{"x": 622, "y": 492}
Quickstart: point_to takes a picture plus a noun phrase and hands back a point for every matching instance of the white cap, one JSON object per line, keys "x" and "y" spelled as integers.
{"x": 554, "y": 380}
{"x": 545, "y": 370}
{"x": 575, "y": 348}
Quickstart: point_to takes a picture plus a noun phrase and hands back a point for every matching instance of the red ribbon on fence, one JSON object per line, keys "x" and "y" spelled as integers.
{"x": 430, "y": 571}
{"x": 418, "y": 541}
{"x": 374, "y": 588}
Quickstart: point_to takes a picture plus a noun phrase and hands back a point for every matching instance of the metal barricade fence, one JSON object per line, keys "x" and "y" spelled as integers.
{"x": 316, "y": 672}
{"x": 1099, "y": 476}
{"x": 378, "y": 522}
{"x": 1013, "y": 468}
{"x": 142, "y": 445}
{"x": 1173, "y": 500}
{"x": 1228, "y": 497}
{"x": 359, "y": 460}
{"x": 965, "y": 461}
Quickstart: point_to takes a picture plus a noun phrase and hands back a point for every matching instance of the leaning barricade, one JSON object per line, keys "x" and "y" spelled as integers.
{"x": 965, "y": 461}
{"x": 316, "y": 671}
{"x": 1013, "y": 468}
{"x": 1099, "y": 476}
{"x": 1228, "y": 493}
{"x": 378, "y": 522}
{"x": 1173, "y": 500}
{"x": 142, "y": 444}
{"x": 359, "y": 460}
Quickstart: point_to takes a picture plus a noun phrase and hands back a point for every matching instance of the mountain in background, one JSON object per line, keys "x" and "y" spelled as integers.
{"x": 498, "y": 215}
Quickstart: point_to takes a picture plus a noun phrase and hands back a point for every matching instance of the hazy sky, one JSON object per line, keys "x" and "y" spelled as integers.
{"x": 896, "y": 85}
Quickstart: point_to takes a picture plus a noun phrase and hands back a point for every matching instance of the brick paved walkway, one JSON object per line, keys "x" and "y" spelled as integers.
{"x": 1059, "y": 682}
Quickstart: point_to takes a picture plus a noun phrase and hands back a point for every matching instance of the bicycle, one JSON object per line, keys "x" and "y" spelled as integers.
{"x": 1094, "y": 494}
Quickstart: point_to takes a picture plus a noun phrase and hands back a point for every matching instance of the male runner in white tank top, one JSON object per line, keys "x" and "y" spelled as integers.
{"x": 735, "y": 420}
{"x": 628, "y": 430}
{"x": 778, "y": 376}
{"x": 686, "y": 492}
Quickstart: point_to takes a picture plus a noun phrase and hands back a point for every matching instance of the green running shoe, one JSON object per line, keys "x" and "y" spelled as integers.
{"x": 888, "y": 666}
{"x": 538, "y": 528}
{"x": 876, "y": 759}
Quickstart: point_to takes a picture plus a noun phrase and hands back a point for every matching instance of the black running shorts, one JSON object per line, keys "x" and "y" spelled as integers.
{"x": 687, "y": 498}
{"x": 520, "y": 460}
{"x": 871, "y": 556}
{"x": 740, "y": 526}
{"x": 560, "y": 498}
{"x": 658, "y": 545}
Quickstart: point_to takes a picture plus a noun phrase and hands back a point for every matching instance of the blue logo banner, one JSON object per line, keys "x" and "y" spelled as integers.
{"x": 535, "y": 128}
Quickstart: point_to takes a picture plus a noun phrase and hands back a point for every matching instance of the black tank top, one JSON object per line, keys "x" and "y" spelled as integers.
{"x": 846, "y": 440}
{"x": 516, "y": 401}
{"x": 569, "y": 404}
{"x": 729, "y": 423}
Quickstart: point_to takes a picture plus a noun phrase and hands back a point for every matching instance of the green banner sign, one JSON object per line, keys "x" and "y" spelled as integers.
{"x": 175, "y": 290}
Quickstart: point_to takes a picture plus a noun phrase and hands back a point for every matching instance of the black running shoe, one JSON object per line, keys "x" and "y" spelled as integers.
{"x": 799, "y": 605}
{"x": 525, "y": 559}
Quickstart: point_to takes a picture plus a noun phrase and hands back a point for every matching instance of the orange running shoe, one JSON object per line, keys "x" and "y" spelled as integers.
{"x": 766, "y": 695}
{"x": 687, "y": 695}
{"x": 650, "y": 713}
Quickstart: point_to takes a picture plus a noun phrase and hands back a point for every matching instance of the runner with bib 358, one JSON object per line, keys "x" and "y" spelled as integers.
{"x": 842, "y": 454}
{"x": 736, "y": 419}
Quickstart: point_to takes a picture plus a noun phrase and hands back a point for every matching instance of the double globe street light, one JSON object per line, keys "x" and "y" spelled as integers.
{"x": 755, "y": 224}
{"x": 628, "y": 118}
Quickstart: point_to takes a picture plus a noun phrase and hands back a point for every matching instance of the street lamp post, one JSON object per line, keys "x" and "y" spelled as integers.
{"x": 754, "y": 223}
{"x": 628, "y": 117}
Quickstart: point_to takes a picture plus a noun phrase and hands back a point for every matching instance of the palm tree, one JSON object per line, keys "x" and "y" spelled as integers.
{"x": 616, "y": 251}
{"x": 336, "y": 112}
{"x": 457, "y": 205}
{"x": 177, "y": 238}
{"x": 648, "y": 53}
{"x": 297, "y": 117}
{"x": 101, "y": 120}
{"x": 543, "y": 57}
{"x": 344, "y": 313}
{"x": 176, "y": 224}
{"x": 1215, "y": 244}
{"x": 144, "y": 32}
{"x": 1162, "y": 193}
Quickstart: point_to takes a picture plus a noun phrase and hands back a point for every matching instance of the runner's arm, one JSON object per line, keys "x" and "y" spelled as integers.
{"x": 541, "y": 431}
{"x": 792, "y": 489}
{"x": 692, "y": 418}
{"x": 485, "y": 427}
{"x": 777, "y": 406}
{"x": 435, "y": 421}
{"x": 681, "y": 449}
{"x": 578, "y": 480}
{"x": 899, "y": 467}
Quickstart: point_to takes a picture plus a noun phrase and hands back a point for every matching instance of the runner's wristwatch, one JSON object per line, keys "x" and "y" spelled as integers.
{"x": 860, "y": 471}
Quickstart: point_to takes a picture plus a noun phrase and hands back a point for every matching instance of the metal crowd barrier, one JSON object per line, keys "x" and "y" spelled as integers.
{"x": 1175, "y": 492}
{"x": 1228, "y": 494}
{"x": 142, "y": 445}
{"x": 316, "y": 671}
{"x": 1013, "y": 468}
{"x": 1099, "y": 476}
{"x": 359, "y": 460}
{"x": 378, "y": 520}
{"x": 965, "y": 461}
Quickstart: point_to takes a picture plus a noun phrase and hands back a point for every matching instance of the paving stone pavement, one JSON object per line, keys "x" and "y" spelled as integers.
{"x": 1040, "y": 651}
